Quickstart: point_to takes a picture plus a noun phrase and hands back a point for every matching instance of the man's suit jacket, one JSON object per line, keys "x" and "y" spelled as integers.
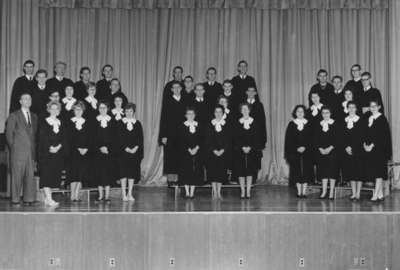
{"x": 21, "y": 137}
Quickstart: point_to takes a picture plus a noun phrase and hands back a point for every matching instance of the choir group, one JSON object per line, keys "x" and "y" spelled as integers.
{"x": 210, "y": 132}
{"x": 344, "y": 134}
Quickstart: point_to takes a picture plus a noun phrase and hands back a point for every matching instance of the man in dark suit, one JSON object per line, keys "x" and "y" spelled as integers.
{"x": 213, "y": 89}
{"x": 22, "y": 84}
{"x": 20, "y": 134}
{"x": 242, "y": 82}
{"x": 58, "y": 82}
{"x": 103, "y": 90}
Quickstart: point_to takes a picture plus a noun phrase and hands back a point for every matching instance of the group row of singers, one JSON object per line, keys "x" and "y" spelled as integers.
{"x": 342, "y": 134}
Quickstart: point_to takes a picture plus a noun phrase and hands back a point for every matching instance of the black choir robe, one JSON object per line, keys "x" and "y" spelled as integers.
{"x": 326, "y": 94}
{"x": 188, "y": 95}
{"x": 168, "y": 92}
{"x": 203, "y": 110}
{"x": 327, "y": 165}
{"x": 338, "y": 99}
{"x": 217, "y": 166}
{"x": 314, "y": 119}
{"x": 245, "y": 164}
{"x": 240, "y": 87}
{"x": 212, "y": 92}
{"x": 301, "y": 169}
{"x": 356, "y": 87}
{"x": 129, "y": 164}
{"x": 372, "y": 94}
{"x": 78, "y": 165}
{"x": 21, "y": 85}
{"x": 67, "y": 111}
{"x": 375, "y": 162}
{"x": 90, "y": 112}
{"x": 352, "y": 136}
{"x": 51, "y": 164}
{"x": 172, "y": 115}
{"x": 39, "y": 101}
{"x": 191, "y": 169}
{"x": 80, "y": 90}
{"x": 103, "y": 90}
{"x": 53, "y": 84}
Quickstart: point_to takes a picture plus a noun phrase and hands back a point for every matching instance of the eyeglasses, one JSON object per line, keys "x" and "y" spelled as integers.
{"x": 365, "y": 79}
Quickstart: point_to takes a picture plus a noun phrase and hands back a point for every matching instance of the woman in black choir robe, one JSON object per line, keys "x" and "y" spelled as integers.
{"x": 131, "y": 151}
{"x": 344, "y": 111}
{"x": 117, "y": 114}
{"x": 172, "y": 115}
{"x": 369, "y": 94}
{"x": 91, "y": 103}
{"x": 191, "y": 137}
{"x": 218, "y": 150}
{"x": 188, "y": 90}
{"x": 298, "y": 150}
{"x": 352, "y": 149}
{"x": 52, "y": 150}
{"x": 258, "y": 113}
{"x": 116, "y": 91}
{"x": 103, "y": 85}
{"x": 79, "y": 137}
{"x": 326, "y": 152}
{"x": 231, "y": 97}
{"x": 245, "y": 148}
{"x": 230, "y": 117}
{"x": 377, "y": 148}
{"x": 201, "y": 105}
{"x": 67, "y": 103}
{"x": 314, "y": 111}
{"x": 103, "y": 136}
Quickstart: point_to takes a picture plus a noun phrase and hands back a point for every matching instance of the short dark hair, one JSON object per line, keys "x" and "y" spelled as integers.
{"x": 24, "y": 93}
{"x": 188, "y": 77}
{"x": 177, "y": 67}
{"x": 337, "y": 77}
{"x": 29, "y": 61}
{"x": 104, "y": 102}
{"x": 116, "y": 79}
{"x": 223, "y": 97}
{"x": 351, "y": 103}
{"x": 243, "y": 62}
{"x": 244, "y": 104}
{"x": 79, "y": 104}
{"x": 211, "y": 68}
{"x": 298, "y": 107}
{"x": 252, "y": 86}
{"x": 174, "y": 83}
{"x": 366, "y": 73}
{"x": 90, "y": 84}
{"x": 227, "y": 81}
{"x": 190, "y": 108}
{"x": 326, "y": 108}
{"x": 130, "y": 106}
{"x": 198, "y": 84}
{"x": 106, "y": 65}
{"x": 356, "y": 65}
{"x": 322, "y": 71}
{"x": 83, "y": 69}
{"x": 219, "y": 107}
{"x": 41, "y": 71}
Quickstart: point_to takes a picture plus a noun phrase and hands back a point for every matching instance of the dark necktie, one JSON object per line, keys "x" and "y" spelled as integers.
{"x": 28, "y": 118}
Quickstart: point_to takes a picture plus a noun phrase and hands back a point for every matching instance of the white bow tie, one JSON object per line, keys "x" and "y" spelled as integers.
{"x": 325, "y": 124}
{"x": 351, "y": 120}
{"x": 246, "y": 122}
{"x": 78, "y": 122}
{"x": 103, "y": 120}
{"x": 300, "y": 123}
{"x": 218, "y": 124}
{"x": 192, "y": 126}
{"x": 55, "y": 123}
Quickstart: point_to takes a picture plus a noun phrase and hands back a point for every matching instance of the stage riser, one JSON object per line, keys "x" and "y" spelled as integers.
{"x": 200, "y": 241}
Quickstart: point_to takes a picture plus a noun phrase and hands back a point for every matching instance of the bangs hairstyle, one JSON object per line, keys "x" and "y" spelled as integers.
{"x": 130, "y": 106}
{"x": 198, "y": 85}
{"x": 176, "y": 83}
{"x": 223, "y": 97}
{"x": 219, "y": 107}
{"x": 351, "y": 103}
{"x": 41, "y": 71}
{"x": 376, "y": 102}
{"x": 190, "y": 109}
{"x": 188, "y": 77}
{"x": 243, "y": 62}
{"x": 103, "y": 102}
{"x": 91, "y": 85}
{"x": 326, "y": 108}
{"x": 241, "y": 105}
{"x": 79, "y": 104}
{"x": 51, "y": 103}
{"x": 298, "y": 107}
{"x": 227, "y": 81}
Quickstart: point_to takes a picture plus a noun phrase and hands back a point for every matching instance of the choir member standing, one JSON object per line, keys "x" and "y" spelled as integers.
{"x": 218, "y": 150}
{"x": 325, "y": 146}
{"x": 314, "y": 112}
{"x": 352, "y": 149}
{"x": 59, "y": 82}
{"x": 242, "y": 82}
{"x": 67, "y": 103}
{"x": 131, "y": 151}
{"x": 344, "y": 111}
{"x": 103, "y": 85}
{"x": 177, "y": 75}
{"x": 230, "y": 96}
{"x": 52, "y": 151}
{"x": 23, "y": 84}
{"x": 115, "y": 87}
{"x": 245, "y": 147}
{"x": 369, "y": 94}
{"x": 82, "y": 85}
{"x": 324, "y": 89}
{"x": 378, "y": 149}
{"x": 355, "y": 84}
{"x": 229, "y": 114}
{"x": 91, "y": 103}
{"x": 39, "y": 93}
{"x": 212, "y": 87}
{"x": 117, "y": 114}
{"x": 103, "y": 141}
{"x": 188, "y": 91}
{"x": 258, "y": 113}
{"x": 191, "y": 171}
{"x": 337, "y": 82}
{"x": 298, "y": 150}
{"x": 79, "y": 137}
{"x": 201, "y": 105}
{"x": 172, "y": 115}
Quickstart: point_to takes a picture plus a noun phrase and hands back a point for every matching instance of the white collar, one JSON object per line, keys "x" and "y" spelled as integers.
{"x": 177, "y": 98}
{"x": 315, "y": 108}
{"x": 129, "y": 122}
{"x": 228, "y": 94}
{"x": 300, "y": 123}
{"x": 41, "y": 87}
{"x": 350, "y": 120}
{"x": 69, "y": 102}
{"x": 243, "y": 76}
{"x": 325, "y": 124}
{"x": 357, "y": 79}
{"x": 251, "y": 100}
{"x": 78, "y": 121}
{"x": 339, "y": 91}
{"x": 246, "y": 122}
{"x": 200, "y": 99}
{"x": 29, "y": 77}
{"x": 372, "y": 118}
{"x": 25, "y": 110}
{"x": 344, "y": 104}
{"x": 192, "y": 125}
{"x": 59, "y": 78}
{"x": 55, "y": 123}
{"x": 211, "y": 83}
{"x": 218, "y": 124}
{"x": 92, "y": 101}
{"x": 118, "y": 113}
{"x": 103, "y": 120}
{"x": 367, "y": 88}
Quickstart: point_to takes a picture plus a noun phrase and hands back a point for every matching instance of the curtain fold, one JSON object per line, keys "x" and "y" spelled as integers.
{"x": 284, "y": 48}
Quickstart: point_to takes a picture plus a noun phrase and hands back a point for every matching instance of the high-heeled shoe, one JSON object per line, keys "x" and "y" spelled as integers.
{"x": 323, "y": 197}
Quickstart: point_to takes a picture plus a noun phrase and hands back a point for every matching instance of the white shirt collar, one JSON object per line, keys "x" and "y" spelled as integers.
{"x": 246, "y": 122}
{"x": 78, "y": 121}
{"x": 243, "y": 76}
{"x": 218, "y": 124}
{"x": 29, "y": 77}
{"x": 227, "y": 94}
{"x": 92, "y": 101}
{"x": 129, "y": 122}
{"x": 59, "y": 78}
{"x": 69, "y": 102}
{"x": 316, "y": 108}
{"x": 357, "y": 79}
{"x": 192, "y": 125}
{"x": 300, "y": 123}
{"x": 177, "y": 98}
{"x": 350, "y": 120}
{"x": 200, "y": 99}
{"x": 325, "y": 124}
{"x": 103, "y": 120}
{"x": 251, "y": 100}
{"x": 41, "y": 87}
{"x": 118, "y": 113}
{"x": 211, "y": 83}
{"x": 55, "y": 123}
{"x": 367, "y": 88}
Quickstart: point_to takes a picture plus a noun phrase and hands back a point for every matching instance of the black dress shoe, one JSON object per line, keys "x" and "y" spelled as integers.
{"x": 248, "y": 197}
{"x": 298, "y": 196}
{"x": 331, "y": 198}
{"x": 304, "y": 196}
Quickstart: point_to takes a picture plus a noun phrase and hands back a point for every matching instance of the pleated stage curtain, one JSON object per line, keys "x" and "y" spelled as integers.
{"x": 284, "y": 47}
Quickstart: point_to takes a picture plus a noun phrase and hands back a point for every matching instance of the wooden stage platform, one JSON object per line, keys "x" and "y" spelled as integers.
{"x": 274, "y": 231}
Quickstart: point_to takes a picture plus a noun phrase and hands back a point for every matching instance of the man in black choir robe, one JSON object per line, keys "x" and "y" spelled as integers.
{"x": 355, "y": 84}
{"x": 59, "y": 82}
{"x": 324, "y": 89}
{"x": 213, "y": 89}
{"x": 103, "y": 90}
{"x": 188, "y": 90}
{"x": 23, "y": 84}
{"x": 80, "y": 87}
{"x": 337, "y": 82}
{"x": 369, "y": 94}
{"x": 232, "y": 98}
{"x": 39, "y": 93}
{"x": 242, "y": 82}
{"x": 201, "y": 105}
{"x": 177, "y": 74}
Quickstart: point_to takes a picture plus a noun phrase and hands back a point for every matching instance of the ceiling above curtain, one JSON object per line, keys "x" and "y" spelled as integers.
{"x": 256, "y": 4}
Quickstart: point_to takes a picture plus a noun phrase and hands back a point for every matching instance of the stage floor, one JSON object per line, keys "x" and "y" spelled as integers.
{"x": 265, "y": 198}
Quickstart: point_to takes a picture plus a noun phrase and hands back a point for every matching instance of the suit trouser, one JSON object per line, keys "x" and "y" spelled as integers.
{"x": 22, "y": 178}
